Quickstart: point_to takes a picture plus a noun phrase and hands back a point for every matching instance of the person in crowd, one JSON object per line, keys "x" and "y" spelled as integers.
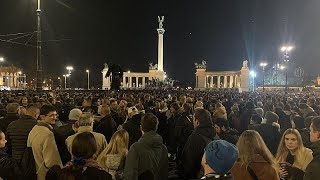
{"x": 228, "y": 103}
{"x": 122, "y": 110}
{"x": 198, "y": 104}
{"x": 83, "y": 166}
{"x": 218, "y": 159}
{"x": 312, "y": 170}
{"x": 193, "y": 150}
{"x": 106, "y": 126}
{"x": 86, "y": 125}
{"x": 114, "y": 111}
{"x": 225, "y": 132}
{"x": 112, "y": 158}
{"x": 245, "y": 117}
{"x": 18, "y": 131}
{"x": 183, "y": 128}
{"x": 306, "y": 110}
{"x": 311, "y": 102}
{"x": 24, "y": 101}
{"x": 65, "y": 110}
{"x": 63, "y": 132}
{"x": 268, "y": 105}
{"x": 163, "y": 122}
{"x": 9, "y": 169}
{"x": 305, "y": 131}
{"x": 220, "y": 112}
{"x": 284, "y": 118}
{"x": 234, "y": 117}
{"x": 41, "y": 140}
{"x": 292, "y": 156}
{"x": 132, "y": 126}
{"x": 255, "y": 160}
{"x": 175, "y": 111}
{"x": 269, "y": 130}
{"x": 13, "y": 113}
{"x": 147, "y": 158}
{"x": 259, "y": 111}
{"x": 86, "y": 105}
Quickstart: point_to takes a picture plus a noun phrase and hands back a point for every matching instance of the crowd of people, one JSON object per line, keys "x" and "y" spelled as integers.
{"x": 159, "y": 134}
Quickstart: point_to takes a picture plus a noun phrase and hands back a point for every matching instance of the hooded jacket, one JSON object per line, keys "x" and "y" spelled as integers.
{"x": 148, "y": 156}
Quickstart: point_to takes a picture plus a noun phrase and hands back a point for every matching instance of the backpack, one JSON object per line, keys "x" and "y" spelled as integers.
{"x": 28, "y": 165}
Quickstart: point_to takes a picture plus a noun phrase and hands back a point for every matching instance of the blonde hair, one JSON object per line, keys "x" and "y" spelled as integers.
{"x": 283, "y": 151}
{"x": 118, "y": 145}
{"x": 85, "y": 119}
{"x": 250, "y": 143}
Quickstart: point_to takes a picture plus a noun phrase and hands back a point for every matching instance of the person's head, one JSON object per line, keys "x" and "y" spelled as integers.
{"x": 311, "y": 101}
{"x": 105, "y": 110}
{"x": 269, "y": 100}
{"x": 202, "y": 117}
{"x": 259, "y": 111}
{"x": 149, "y": 122}
{"x": 132, "y": 111}
{"x": 219, "y": 157}
{"x": 235, "y": 107}
{"x": 187, "y": 108}
{"x": 86, "y": 102}
{"x": 291, "y": 142}
{"x": 48, "y": 114}
{"x": 250, "y": 142}
{"x": 182, "y": 99}
{"x": 302, "y": 107}
{"x": 86, "y": 119}
{"x": 271, "y": 117}
{"x": 3, "y": 140}
{"x": 33, "y": 111}
{"x": 113, "y": 104}
{"x": 24, "y": 101}
{"x": 175, "y": 108}
{"x": 198, "y": 104}
{"x": 118, "y": 145}
{"x": 84, "y": 145}
{"x": 221, "y": 125}
{"x": 249, "y": 105}
{"x": 13, "y": 108}
{"x": 315, "y": 129}
{"x": 75, "y": 114}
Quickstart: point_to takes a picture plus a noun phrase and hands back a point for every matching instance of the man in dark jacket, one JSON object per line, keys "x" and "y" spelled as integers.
{"x": 132, "y": 126}
{"x": 225, "y": 132}
{"x": 312, "y": 170}
{"x": 193, "y": 150}
{"x": 269, "y": 130}
{"x": 245, "y": 117}
{"x": 175, "y": 111}
{"x": 18, "y": 131}
{"x": 106, "y": 126}
{"x": 63, "y": 132}
{"x": 13, "y": 111}
{"x": 147, "y": 158}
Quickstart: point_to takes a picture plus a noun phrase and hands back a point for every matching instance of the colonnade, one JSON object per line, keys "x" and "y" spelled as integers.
{"x": 222, "y": 81}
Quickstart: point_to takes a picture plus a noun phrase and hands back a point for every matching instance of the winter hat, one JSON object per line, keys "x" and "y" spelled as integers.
{"x": 259, "y": 111}
{"x": 221, "y": 155}
{"x": 75, "y": 114}
{"x": 271, "y": 117}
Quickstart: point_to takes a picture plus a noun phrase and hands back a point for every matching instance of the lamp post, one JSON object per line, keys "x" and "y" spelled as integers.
{"x": 39, "y": 65}
{"x": 286, "y": 50}
{"x": 69, "y": 69}
{"x": 253, "y": 74}
{"x": 65, "y": 80}
{"x": 263, "y": 65}
{"x": 88, "y": 72}
{"x": 59, "y": 82}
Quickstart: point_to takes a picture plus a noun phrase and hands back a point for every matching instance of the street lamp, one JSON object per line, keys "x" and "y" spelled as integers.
{"x": 1, "y": 59}
{"x": 263, "y": 65}
{"x": 253, "y": 74}
{"x": 286, "y": 50}
{"x": 59, "y": 82}
{"x": 39, "y": 64}
{"x": 65, "y": 80}
{"x": 282, "y": 67}
{"x": 88, "y": 78}
{"x": 69, "y": 69}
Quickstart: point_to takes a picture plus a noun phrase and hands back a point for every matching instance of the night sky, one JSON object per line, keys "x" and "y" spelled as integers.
{"x": 222, "y": 32}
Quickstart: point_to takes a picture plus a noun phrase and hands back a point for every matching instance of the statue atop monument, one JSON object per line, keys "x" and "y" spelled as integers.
{"x": 245, "y": 64}
{"x": 203, "y": 65}
{"x": 161, "y": 19}
{"x": 153, "y": 67}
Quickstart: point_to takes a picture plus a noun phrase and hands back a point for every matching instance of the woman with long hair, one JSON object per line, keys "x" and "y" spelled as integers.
{"x": 255, "y": 160}
{"x": 113, "y": 156}
{"x": 292, "y": 156}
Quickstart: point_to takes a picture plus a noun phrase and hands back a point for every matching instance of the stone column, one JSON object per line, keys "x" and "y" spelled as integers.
{"x": 130, "y": 82}
{"x": 218, "y": 83}
{"x": 211, "y": 81}
{"x": 160, "y": 48}
{"x": 225, "y": 83}
{"x": 137, "y": 82}
{"x": 124, "y": 83}
{"x": 231, "y": 81}
{"x": 143, "y": 82}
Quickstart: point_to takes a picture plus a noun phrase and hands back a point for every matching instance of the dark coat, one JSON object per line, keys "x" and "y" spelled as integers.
{"x": 106, "y": 126}
{"x": 133, "y": 128}
{"x": 9, "y": 168}
{"x": 61, "y": 134}
{"x": 313, "y": 169}
{"x": 17, "y": 135}
{"x": 147, "y": 156}
{"x": 193, "y": 151}
{"x": 271, "y": 136}
{"x": 163, "y": 125}
{"x": 230, "y": 135}
{"x": 4, "y": 122}
{"x": 171, "y": 141}
{"x": 245, "y": 118}
{"x": 64, "y": 112}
